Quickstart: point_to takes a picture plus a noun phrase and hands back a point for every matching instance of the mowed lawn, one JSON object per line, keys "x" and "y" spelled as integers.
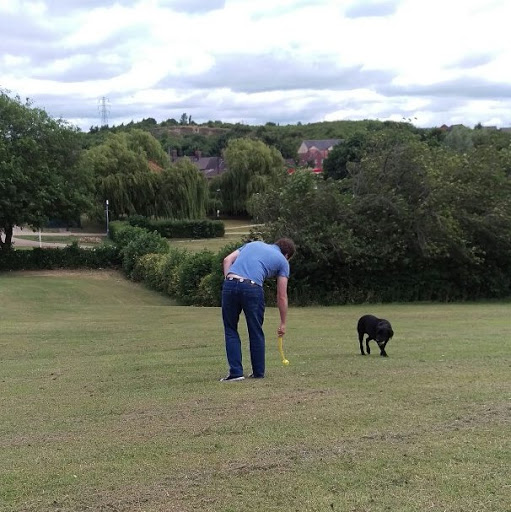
{"x": 110, "y": 401}
{"x": 236, "y": 231}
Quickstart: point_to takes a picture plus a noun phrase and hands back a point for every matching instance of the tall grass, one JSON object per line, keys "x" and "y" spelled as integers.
{"x": 110, "y": 401}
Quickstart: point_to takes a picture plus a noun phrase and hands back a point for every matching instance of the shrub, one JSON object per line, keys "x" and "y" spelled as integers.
{"x": 134, "y": 242}
{"x": 114, "y": 227}
{"x": 190, "y": 273}
{"x": 183, "y": 228}
{"x": 139, "y": 221}
{"x": 209, "y": 292}
{"x": 125, "y": 234}
{"x": 170, "y": 266}
{"x": 72, "y": 256}
{"x": 148, "y": 268}
{"x": 141, "y": 242}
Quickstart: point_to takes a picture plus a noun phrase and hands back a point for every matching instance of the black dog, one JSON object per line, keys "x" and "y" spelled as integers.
{"x": 377, "y": 329}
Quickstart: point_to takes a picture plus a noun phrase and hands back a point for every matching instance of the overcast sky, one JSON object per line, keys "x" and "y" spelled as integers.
{"x": 255, "y": 61}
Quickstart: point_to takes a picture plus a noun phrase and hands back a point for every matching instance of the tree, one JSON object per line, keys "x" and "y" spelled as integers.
{"x": 335, "y": 165}
{"x": 40, "y": 178}
{"x": 122, "y": 173}
{"x": 409, "y": 222}
{"x": 316, "y": 215}
{"x": 182, "y": 192}
{"x": 459, "y": 139}
{"x": 140, "y": 141}
{"x": 252, "y": 167}
{"x": 133, "y": 172}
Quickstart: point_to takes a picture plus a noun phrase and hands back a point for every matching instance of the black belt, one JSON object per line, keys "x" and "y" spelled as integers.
{"x": 241, "y": 280}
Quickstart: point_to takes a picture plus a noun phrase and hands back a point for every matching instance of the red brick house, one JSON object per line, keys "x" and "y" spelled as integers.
{"x": 311, "y": 153}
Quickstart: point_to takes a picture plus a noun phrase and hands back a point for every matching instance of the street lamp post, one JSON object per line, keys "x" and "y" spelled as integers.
{"x": 106, "y": 210}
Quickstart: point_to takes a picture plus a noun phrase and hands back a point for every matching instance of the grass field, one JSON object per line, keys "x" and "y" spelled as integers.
{"x": 110, "y": 401}
{"x": 212, "y": 244}
{"x": 235, "y": 232}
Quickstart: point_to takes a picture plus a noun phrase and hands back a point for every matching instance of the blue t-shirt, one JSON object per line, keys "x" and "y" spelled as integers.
{"x": 258, "y": 260}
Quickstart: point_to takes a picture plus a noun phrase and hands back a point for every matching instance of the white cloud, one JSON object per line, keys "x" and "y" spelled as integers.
{"x": 14, "y": 61}
{"x": 307, "y": 60}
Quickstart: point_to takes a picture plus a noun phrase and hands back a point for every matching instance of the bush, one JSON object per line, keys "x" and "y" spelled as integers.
{"x": 148, "y": 268}
{"x": 124, "y": 234}
{"x": 139, "y": 221}
{"x": 190, "y": 273}
{"x": 170, "y": 269}
{"x": 114, "y": 227}
{"x": 210, "y": 288}
{"x": 72, "y": 256}
{"x": 141, "y": 242}
{"x": 209, "y": 292}
{"x": 169, "y": 228}
{"x": 134, "y": 242}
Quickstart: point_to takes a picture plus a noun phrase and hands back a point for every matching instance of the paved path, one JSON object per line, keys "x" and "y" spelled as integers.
{"x": 63, "y": 232}
{"x": 21, "y": 242}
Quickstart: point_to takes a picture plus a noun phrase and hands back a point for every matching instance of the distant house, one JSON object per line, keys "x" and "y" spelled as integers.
{"x": 446, "y": 128}
{"x": 210, "y": 166}
{"x": 313, "y": 152}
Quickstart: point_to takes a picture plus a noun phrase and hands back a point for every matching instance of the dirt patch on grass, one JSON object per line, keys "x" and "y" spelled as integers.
{"x": 494, "y": 414}
{"x": 127, "y": 499}
{"x": 490, "y": 414}
{"x": 89, "y": 274}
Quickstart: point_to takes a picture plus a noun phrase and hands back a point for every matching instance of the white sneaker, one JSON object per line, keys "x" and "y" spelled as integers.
{"x": 230, "y": 378}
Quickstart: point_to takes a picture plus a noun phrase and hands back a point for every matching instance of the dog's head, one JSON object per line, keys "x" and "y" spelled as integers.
{"x": 383, "y": 332}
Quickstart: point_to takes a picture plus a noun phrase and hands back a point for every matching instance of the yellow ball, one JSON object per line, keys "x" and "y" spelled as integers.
{"x": 285, "y": 362}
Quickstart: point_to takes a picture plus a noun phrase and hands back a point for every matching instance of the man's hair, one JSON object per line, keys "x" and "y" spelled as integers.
{"x": 286, "y": 246}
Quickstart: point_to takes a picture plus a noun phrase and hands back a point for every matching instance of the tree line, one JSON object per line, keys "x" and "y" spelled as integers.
{"x": 398, "y": 217}
{"x": 400, "y": 213}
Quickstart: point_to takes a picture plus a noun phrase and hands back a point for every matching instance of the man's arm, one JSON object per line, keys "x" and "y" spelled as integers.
{"x": 229, "y": 260}
{"x": 282, "y": 303}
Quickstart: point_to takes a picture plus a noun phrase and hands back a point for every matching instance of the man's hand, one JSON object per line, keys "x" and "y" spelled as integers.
{"x": 281, "y": 330}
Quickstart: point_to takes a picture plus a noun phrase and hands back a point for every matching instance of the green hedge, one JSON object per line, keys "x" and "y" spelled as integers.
{"x": 115, "y": 227}
{"x": 190, "y": 274}
{"x": 149, "y": 269}
{"x": 72, "y": 256}
{"x": 169, "y": 228}
{"x": 191, "y": 278}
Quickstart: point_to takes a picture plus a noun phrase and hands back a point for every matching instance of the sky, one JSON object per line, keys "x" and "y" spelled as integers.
{"x": 428, "y": 62}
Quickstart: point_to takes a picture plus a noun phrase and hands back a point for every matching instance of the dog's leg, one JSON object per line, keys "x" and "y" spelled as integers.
{"x": 382, "y": 349}
{"x": 367, "y": 344}
{"x": 361, "y": 341}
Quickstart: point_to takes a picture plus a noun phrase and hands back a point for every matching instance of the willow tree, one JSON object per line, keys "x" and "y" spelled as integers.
{"x": 142, "y": 142}
{"x": 182, "y": 192}
{"x": 126, "y": 168}
{"x": 134, "y": 173}
{"x": 252, "y": 167}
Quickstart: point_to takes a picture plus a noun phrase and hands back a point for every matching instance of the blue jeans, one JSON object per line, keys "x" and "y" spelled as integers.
{"x": 249, "y": 298}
